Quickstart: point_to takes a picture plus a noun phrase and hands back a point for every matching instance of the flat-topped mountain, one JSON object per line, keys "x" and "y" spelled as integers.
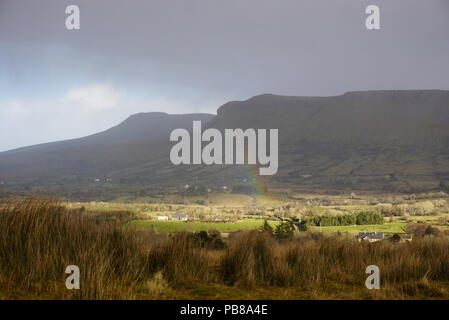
{"x": 377, "y": 140}
{"x": 371, "y": 139}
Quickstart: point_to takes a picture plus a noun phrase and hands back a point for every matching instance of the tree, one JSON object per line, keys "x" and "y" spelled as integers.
{"x": 396, "y": 238}
{"x": 302, "y": 225}
{"x": 284, "y": 231}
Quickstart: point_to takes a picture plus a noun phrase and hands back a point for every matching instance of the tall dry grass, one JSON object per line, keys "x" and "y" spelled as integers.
{"x": 39, "y": 238}
{"x": 181, "y": 261}
{"x": 407, "y": 269}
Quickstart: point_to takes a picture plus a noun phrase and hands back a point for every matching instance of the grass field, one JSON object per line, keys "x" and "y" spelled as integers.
{"x": 391, "y": 227}
{"x": 178, "y": 226}
{"x": 245, "y": 225}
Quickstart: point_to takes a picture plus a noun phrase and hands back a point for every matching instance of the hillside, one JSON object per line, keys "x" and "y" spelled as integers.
{"x": 377, "y": 139}
{"x": 134, "y": 141}
{"x": 373, "y": 140}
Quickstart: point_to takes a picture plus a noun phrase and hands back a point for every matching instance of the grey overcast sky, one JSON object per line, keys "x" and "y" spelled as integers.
{"x": 184, "y": 56}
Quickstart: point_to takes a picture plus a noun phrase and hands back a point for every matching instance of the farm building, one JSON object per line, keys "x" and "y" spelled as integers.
{"x": 220, "y": 219}
{"x": 162, "y": 218}
{"x": 370, "y": 236}
{"x": 180, "y": 216}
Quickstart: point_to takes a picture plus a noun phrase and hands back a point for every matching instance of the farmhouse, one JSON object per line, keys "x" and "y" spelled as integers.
{"x": 370, "y": 236}
{"x": 220, "y": 219}
{"x": 180, "y": 216}
{"x": 162, "y": 218}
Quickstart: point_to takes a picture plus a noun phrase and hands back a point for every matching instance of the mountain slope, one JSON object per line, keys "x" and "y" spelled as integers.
{"x": 381, "y": 140}
{"x": 124, "y": 145}
{"x": 376, "y": 140}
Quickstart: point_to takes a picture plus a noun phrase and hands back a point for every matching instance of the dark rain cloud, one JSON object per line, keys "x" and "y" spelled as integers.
{"x": 219, "y": 50}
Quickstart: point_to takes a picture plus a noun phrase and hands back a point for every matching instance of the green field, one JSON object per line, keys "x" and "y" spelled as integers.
{"x": 178, "y": 226}
{"x": 391, "y": 227}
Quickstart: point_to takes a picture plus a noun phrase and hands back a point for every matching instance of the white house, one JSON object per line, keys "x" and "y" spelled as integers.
{"x": 180, "y": 216}
{"x": 370, "y": 236}
{"x": 162, "y": 218}
{"x": 220, "y": 219}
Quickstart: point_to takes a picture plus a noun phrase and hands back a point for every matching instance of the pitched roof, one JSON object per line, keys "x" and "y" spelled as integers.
{"x": 180, "y": 215}
{"x": 371, "y": 235}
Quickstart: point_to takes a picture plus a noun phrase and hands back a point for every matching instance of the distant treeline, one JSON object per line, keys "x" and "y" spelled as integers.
{"x": 362, "y": 218}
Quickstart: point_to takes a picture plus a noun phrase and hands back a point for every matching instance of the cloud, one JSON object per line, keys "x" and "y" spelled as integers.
{"x": 94, "y": 96}
{"x": 83, "y": 110}
{"x": 77, "y": 112}
{"x": 14, "y": 108}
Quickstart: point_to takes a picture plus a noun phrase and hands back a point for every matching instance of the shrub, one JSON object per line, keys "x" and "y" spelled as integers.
{"x": 422, "y": 229}
{"x": 211, "y": 240}
{"x": 284, "y": 231}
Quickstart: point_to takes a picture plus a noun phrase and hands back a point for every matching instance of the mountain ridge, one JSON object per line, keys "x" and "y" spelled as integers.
{"x": 383, "y": 139}
{"x": 130, "y": 119}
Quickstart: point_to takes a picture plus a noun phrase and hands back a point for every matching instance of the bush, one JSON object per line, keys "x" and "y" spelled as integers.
{"x": 211, "y": 240}
{"x": 422, "y": 229}
{"x": 284, "y": 231}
